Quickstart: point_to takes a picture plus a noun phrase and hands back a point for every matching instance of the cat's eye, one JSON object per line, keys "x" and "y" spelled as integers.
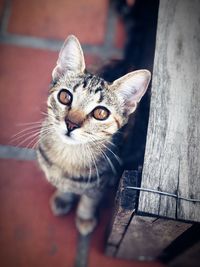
{"x": 100, "y": 113}
{"x": 65, "y": 97}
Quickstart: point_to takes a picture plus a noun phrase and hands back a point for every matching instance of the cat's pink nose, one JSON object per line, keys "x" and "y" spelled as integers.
{"x": 71, "y": 125}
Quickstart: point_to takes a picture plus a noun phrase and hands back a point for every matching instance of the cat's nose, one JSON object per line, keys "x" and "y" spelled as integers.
{"x": 71, "y": 125}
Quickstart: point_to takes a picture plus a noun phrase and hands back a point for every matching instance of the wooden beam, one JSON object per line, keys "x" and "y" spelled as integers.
{"x": 125, "y": 206}
{"x": 172, "y": 156}
{"x": 146, "y": 237}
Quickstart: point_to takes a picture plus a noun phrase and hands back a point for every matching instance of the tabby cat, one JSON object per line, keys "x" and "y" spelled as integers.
{"x": 78, "y": 146}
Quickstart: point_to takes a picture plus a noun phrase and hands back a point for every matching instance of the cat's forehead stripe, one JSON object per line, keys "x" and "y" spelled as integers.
{"x": 101, "y": 97}
{"x": 76, "y": 86}
{"x": 96, "y": 86}
{"x": 92, "y": 82}
{"x": 98, "y": 89}
{"x": 86, "y": 80}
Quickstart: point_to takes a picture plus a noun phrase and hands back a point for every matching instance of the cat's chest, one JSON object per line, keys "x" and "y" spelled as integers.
{"x": 69, "y": 169}
{"x": 68, "y": 160}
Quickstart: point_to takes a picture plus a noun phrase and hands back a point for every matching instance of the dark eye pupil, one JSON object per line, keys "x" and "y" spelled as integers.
{"x": 101, "y": 113}
{"x": 65, "y": 97}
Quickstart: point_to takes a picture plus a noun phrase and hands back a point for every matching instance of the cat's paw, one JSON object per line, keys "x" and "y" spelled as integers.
{"x": 86, "y": 226}
{"x": 59, "y": 206}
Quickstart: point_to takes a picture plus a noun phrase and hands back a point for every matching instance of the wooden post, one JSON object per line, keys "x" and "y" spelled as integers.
{"x": 125, "y": 206}
{"x": 172, "y": 155}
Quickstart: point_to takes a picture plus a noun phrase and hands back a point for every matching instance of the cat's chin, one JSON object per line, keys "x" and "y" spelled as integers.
{"x": 71, "y": 140}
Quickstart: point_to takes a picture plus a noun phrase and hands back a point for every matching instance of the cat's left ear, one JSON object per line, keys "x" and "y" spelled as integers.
{"x": 131, "y": 88}
{"x": 71, "y": 58}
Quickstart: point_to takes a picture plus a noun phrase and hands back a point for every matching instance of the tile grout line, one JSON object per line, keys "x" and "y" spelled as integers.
{"x": 18, "y": 153}
{"x": 55, "y": 45}
{"x": 104, "y": 51}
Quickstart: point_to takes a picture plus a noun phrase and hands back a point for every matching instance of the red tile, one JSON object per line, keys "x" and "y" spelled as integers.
{"x": 57, "y": 19}
{"x": 30, "y": 235}
{"x": 25, "y": 75}
{"x": 120, "y": 36}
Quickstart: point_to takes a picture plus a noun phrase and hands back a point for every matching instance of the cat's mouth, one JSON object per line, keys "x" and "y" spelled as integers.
{"x": 69, "y": 139}
{"x": 72, "y": 139}
{"x": 68, "y": 134}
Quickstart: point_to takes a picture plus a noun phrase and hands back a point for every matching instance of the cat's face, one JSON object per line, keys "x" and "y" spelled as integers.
{"x": 84, "y": 108}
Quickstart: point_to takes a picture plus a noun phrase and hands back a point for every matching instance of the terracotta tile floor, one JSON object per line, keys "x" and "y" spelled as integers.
{"x": 57, "y": 19}
{"x": 31, "y": 34}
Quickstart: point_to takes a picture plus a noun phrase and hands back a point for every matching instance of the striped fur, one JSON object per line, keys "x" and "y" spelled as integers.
{"x": 84, "y": 161}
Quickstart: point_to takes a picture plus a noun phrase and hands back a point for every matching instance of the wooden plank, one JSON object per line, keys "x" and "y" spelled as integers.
{"x": 172, "y": 156}
{"x": 124, "y": 208}
{"x": 146, "y": 237}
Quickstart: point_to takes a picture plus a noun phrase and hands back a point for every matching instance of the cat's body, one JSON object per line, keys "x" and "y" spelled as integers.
{"x": 78, "y": 150}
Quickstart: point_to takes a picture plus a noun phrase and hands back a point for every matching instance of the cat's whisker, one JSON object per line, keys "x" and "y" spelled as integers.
{"x": 117, "y": 158}
{"x": 105, "y": 156}
{"x": 110, "y": 163}
{"x": 36, "y": 140}
{"x": 34, "y": 134}
{"x": 94, "y": 161}
{"x": 27, "y": 139}
{"x": 26, "y": 129}
{"x": 90, "y": 167}
{"x": 29, "y": 123}
{"x": 22, "y": 135}
{"x": 26, "y": 132}
{"x": 47, "y": 114}
{"x": 35, "y": 144}
{"x": 108, "y": 160}
{"x": 32, "y": 142}
{"x": 44, "y": 132}
{"x": 111, "y": 143}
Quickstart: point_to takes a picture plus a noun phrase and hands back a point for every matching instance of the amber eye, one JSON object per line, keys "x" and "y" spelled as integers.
{"x": 65, "y": 97}
{"x": 101, "y": 113}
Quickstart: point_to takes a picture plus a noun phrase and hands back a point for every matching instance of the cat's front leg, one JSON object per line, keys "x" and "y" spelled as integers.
{"x": 86, "y": 220}
{"x": 61, "y": 203}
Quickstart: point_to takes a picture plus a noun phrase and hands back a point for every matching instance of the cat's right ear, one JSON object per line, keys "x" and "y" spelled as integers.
{"x": 71, "y": 58}
{"x": 131, "y": 88}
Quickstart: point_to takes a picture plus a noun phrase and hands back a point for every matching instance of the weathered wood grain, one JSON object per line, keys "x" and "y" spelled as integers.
{"x": 146, "y": 237}
{"x": 172, "y": 156}
{"x": 125, "y": 206}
